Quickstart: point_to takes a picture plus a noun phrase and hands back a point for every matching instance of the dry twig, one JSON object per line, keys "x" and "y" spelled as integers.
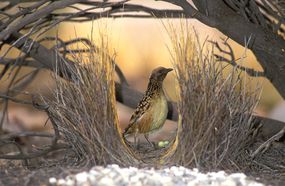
{"x": 265, "y": 146}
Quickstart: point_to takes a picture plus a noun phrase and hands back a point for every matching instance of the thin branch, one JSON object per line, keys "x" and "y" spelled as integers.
{"x": 22, "y": 12}
{"x": 232, "y": 60}
{"x": 265, "y": 146}
{"x": 36, "y": 16}
{"x": 41, "y": 153}
{"x": 15, "y": 100}
{"x": 121, "y": 76}
{"x": 11, "y": 136}
{"x": 54, "y": 146}
{"x": 21, "y": 153}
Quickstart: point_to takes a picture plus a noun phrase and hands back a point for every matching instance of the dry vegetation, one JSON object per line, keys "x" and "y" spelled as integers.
{"x": 215, "y": 107}
{"x": 215, "y": 128}
{"x": 84, "y": 107}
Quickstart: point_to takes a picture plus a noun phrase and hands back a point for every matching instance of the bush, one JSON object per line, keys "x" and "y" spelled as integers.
{"x": 215, "y": 108}
{"x": 84, "y": 107}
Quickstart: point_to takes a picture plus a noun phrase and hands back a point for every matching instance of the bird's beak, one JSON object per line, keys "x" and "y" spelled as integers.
{"x": 168, "y": 70}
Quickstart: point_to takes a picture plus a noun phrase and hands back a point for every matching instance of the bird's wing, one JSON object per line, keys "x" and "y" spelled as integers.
{"x": 139, "y": 113}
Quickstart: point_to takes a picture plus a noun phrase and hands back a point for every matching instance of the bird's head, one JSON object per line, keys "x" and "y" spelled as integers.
{"x": 159, "y": 74}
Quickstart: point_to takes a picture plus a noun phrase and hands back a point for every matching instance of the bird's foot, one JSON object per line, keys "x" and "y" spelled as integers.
{"x": 137, "y": 146}
{"x": 153, "y": 145}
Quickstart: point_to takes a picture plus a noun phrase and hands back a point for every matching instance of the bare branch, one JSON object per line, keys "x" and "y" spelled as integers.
{"x": 121, "y": 76}
{"x": 36, "y": 16}
{"x": 54, "y": 146}
{"x": 44, "y": 152}
{"x": 264, "y": 147}
{"x": 13, "y": 99}
{"x": 22, "y": 12}
{"x": 25, "y": 134}
{"x": 232, "y": 60}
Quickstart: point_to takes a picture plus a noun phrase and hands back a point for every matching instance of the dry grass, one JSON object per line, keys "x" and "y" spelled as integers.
{"x": 213, "y": 126}
{"x": 215, "y": 123}
{"x": 215, "y": 109}
{"x": 84, "y": 107}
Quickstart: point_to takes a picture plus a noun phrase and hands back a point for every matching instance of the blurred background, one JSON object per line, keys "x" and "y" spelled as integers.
{"x": 140, "y": 45}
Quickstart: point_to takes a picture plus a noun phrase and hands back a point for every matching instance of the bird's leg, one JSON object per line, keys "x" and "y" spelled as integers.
{"x": 136, "y": 140}
{"x": 146, "y": 137}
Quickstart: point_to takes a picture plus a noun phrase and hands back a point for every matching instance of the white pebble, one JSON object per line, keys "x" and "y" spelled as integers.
{"x": 228, "y": 182}
{"x": 173, "y": 176}
{"x": 69, "y": 182}
{"x": 61, "y": 182}
{"x": 105, "y": 181}
{"x": 81, "y": 177}
{"x": 52, "y": 180}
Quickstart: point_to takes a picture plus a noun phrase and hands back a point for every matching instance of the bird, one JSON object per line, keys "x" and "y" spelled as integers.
{"x": 151, "y": 112}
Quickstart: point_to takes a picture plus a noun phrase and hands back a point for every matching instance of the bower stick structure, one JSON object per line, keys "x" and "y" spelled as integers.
{"x": 123, "y": 92}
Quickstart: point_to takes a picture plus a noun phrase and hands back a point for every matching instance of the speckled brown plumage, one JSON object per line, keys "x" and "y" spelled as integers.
{"x": 151, "y": 111}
